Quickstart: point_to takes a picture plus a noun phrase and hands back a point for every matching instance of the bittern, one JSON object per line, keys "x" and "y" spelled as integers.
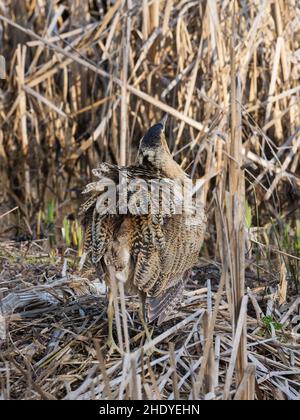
{"x": 151, "y": 252}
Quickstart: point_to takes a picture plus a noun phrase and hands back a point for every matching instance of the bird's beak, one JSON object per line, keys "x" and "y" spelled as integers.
{"x": 163, "y": 121}
{"x": 162, "y": 136}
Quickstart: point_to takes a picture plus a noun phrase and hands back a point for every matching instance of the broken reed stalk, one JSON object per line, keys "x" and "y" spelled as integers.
{"x": 236, "y": 208}
{"x": 174, "y": 374}
{"x": 247, "y": 385}
{"x": 208, "y": 382}
{"x": 21, "y": 57}
{"x": 145, "y": 11}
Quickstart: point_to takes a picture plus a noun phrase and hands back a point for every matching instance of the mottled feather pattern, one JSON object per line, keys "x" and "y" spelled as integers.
{"x": 98, "y": 237}
{"x": 160, "y": 307}
{"x": 88, "y": 204}
{"x": 157, "y": 235}
{"x": 154, "y": 251}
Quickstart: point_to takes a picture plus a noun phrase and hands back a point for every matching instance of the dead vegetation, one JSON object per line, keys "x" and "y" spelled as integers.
{"x": 56, "y": 325}
{"x": 84, "y": 81}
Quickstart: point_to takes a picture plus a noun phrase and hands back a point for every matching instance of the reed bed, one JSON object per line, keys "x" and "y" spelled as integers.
{"x": 57, "y": 326}
{"x": 85, "y": 79}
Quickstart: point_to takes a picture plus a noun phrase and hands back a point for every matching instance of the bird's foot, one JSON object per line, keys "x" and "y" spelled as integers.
{"x": 112, "y": 347}
{"x": 154, "y": 349}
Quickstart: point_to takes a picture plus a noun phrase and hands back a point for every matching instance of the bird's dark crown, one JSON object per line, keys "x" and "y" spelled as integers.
{"x": 152, "y": 137}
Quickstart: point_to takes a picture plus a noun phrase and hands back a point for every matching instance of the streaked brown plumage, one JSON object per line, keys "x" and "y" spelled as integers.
{"x": 152, "y": 253}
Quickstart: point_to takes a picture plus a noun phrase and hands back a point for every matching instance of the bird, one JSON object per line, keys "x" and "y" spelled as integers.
{"x": 151, "y": 251}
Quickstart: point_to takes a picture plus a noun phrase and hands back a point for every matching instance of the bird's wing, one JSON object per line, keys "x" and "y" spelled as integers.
{"x": 183, "y": 239}
{"x": 146, "y": 244}
{"x": 99, "y": 232}
{"x": 99, "y": 224}
{"x": 100, "y": 212}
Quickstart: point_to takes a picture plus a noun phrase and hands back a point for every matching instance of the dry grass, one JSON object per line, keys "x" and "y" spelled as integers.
{"x": 57, "y": 328}
{"x": 84, "y": 81}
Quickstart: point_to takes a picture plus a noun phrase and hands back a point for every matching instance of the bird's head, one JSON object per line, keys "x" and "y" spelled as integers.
{"x": 154, "y": 152}
{"x": 154, "y": 143}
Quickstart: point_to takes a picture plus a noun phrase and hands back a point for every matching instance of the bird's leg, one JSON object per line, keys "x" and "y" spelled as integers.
{"x": 144, "y": 323}
{"x": 111, "y": 344}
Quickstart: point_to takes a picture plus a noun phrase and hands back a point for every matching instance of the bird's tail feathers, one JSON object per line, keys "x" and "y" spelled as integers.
{"x": 159, "y": 307}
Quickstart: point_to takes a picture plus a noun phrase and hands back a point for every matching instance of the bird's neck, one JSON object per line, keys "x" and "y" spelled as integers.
{"x": 162, "y": 161}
